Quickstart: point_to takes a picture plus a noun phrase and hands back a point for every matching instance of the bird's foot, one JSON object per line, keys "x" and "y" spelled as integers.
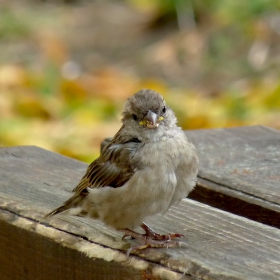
{"x": 151, "y": 234}
{"x": 152, "y": 239}
{"x": 149, "y": 243}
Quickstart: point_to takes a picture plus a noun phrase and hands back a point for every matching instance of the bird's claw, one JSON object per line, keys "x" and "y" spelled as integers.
{"x": 151, "y": 234}
{"x": 152, "y": 239}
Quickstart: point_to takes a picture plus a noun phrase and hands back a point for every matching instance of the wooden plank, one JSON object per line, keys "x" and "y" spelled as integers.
{"x": 34, "y": 251}
{"x": 236, "y": 202}
{"x": 241, "y": 163}
{"x": 246, "y": 159}
{"x": 219, "y": 245}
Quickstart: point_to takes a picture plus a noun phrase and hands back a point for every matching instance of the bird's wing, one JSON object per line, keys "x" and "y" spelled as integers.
{"x": 114, "y": 167}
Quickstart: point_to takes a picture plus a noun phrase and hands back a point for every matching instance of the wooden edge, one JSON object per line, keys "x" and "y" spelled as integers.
{"x": 236, "y": 202}
{"x": 210, "y": 233}
{"x": 31, "y": 237}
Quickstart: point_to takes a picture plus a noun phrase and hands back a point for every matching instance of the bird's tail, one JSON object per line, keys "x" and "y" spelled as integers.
{"x": 73, "y": 205}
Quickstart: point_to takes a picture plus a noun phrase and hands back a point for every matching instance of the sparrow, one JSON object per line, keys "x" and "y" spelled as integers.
{"x": 148, "y": 166}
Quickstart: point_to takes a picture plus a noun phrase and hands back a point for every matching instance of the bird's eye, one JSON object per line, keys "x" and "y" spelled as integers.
{"x": 163, "y": 109}
{"x": 134, "y": 117}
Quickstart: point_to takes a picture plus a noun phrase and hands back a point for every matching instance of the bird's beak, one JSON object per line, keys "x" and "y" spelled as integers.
{"x": 151, "y": 120}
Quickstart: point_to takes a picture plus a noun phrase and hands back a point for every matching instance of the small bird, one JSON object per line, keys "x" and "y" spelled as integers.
{"x": 147, "y": 167}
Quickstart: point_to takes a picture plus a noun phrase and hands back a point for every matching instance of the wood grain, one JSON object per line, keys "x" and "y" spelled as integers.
{"x": 34, "y": 181}
{"x": 239, "y": 171}
{"x": 33, "y": 256}
{"x": 246, "y": 159}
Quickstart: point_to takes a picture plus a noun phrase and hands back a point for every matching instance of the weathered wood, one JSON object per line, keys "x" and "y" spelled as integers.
{"x": 244, "y": 159}
{"x": 33, "y": 251}
{"x": 33, "y": 181}
{"x": 239, "y": 171}
{"x": 236, "y": 202}
{"x": 26, "y": 253}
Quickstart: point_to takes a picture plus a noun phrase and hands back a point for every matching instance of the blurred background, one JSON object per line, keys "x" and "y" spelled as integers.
{"x": 66, "y": 67}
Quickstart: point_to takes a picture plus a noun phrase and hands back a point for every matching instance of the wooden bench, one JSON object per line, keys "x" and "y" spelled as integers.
{"x": 239, "y": 173}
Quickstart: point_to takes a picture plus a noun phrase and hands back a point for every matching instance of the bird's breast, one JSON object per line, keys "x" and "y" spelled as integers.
{"x": 163, "y": 154}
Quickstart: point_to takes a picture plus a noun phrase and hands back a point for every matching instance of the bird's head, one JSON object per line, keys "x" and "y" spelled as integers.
{"x": 147, "y": 110}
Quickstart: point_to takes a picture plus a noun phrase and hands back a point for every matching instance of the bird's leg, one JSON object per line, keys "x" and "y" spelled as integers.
{"x": 151, "y": 234}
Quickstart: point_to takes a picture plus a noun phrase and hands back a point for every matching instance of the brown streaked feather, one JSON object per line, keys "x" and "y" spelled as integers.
{"x": 114, "y": 167}
{"x": 73, "y": 201}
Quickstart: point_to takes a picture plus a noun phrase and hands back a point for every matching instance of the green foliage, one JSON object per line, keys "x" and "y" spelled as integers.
{"x": 12, "y": 25}
{"x": 41, "y": 106}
